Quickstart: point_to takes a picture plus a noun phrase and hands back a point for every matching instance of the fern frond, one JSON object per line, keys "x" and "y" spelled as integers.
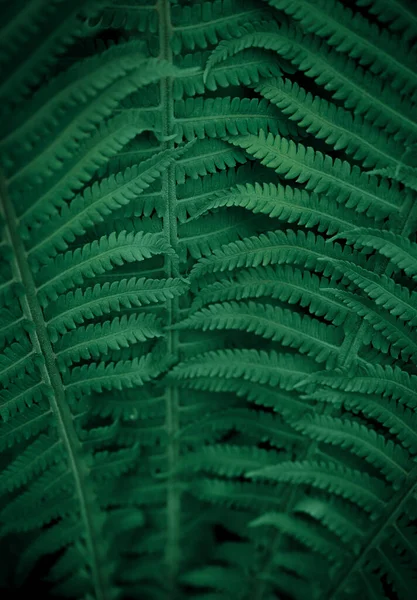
{"x": 90, "y": 83}
{"x": 34, "y": 459}
{"x": 386, "y": 380}
{"x": 22, "y": 394}
{"x": 271, "y": 368}
{"x": 73, "y": 308}
{"x": 227, "y": 460}
{"x": 133, "y": 17}
{"x": 321, "y": 174}
{"x": 246, "y": 69}
{"x": 353, "y": 35}
{"x": 51, "y": 189}
{"x": 199, "y": 25}
{"x": 316, "y": 539}
{"x": 288, "y": 284}
{"x": 399, "y": 420}
{"x": 12, "y": 327}
{"x": 21, "y": 428}
{"x": 358, "y": 89}
{"x": 399, "y": 17}
{"x": 54, "y": 539}
{"x": 309, "y": 336}
{"x": 96, "y": 340}
{"x": 234, "y": 493}
{"x": 273, "y": 247}
{"x": 200, "y": 239}
{"x": 398, "y": 249}
{"x": 110, "y": 464}
{"x": 263, "y": 426}
{"x": 368, "y": 493}
{"x": 389, "y": 562}
{"x": 96, "y": 203}
{"x": 290, "y": 204}
{"x": 219, "y": 117}
{"x": 73, "y": 267}
{"x": 346, "y": 522}
{"x": 34, "y": 51}
{"x": 400, "y": 337}
{"x": 402, "y": 173}
{"x": 193, "y": 194}
{"x": 383, "y": 291}
{"x": 209, "y": 156}
{"x": 391, "y": 459}
{"x": 96, "y": 377}
{"x": 336, "y": 126}
{"x": 18, "y": 360}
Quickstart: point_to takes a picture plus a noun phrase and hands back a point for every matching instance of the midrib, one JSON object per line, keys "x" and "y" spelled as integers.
{"x": 172, "y": 420}
{"x": 59, "y": 407}
{"x": 352, "y": 344}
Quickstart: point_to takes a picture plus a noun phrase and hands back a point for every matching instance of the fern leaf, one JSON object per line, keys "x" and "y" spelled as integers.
{"x": 402, "y": 173}
{"x": 96, "y": 340}
{"x": 91, "y": 82}
{"x": 333, "y": 124}
{"x": 35, "y": 51}
{"x": 358, "y": 487}
{"x": 347, "y": 523}
{"x": 245, "y": 69}
{"x": 110, "y": 464}
{"x": 399, "y": 420}
{"x": 234, "y": 493}
{"x": 96, "y": 203}
{"x": 285, "y": 283}
{"x": 194, "y": 194}
{"x": 397, "y": 16}
{"x": 321, "y": 173}
{"x": 354, "y": 36}
{"x": 209, "y": 156}
{"x": 54, "y": 539}
{"x": 259, "y": 425}
{"x": 308, "y": 335}
{"x": 383, "y": 291}
{"x": 273, "y": 247}
{"x": 318, "y": 540}
{"x": 391, "y": 459}
{"x": 226, "y": 460}
{"x": 271, "y": 368}
{"x": 339, "y": 74}
{"x": 398, "y": 249}
{"x": 197, "y": 26}
{"x": 71, "y": 268}
{"x": 386, "y": 380}
{"x": 107, "y": 376}
{"x": 400, "y": 337}
{"x": 287, "y": 203}
{"x": 34, "y": 459}
{"x": 22, "y": 428}
{"x": 13, "y": 328}
{"x": 49, "y": 189}
{"x": 21, "y": 394}
{"x": 200, "y": 239}
{"x": 74, "y": 308}
{"x": 218, "y": 117}
{"x": 17, "y": 360}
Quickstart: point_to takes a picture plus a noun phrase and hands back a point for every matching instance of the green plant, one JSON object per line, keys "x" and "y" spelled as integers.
{"x": 208, "y": 300}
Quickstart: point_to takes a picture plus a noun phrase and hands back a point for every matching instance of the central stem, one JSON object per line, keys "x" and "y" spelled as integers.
{"x": 172, "y": 423}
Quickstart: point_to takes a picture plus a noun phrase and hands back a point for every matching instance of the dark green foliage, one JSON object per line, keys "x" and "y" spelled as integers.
{"x": 208, "y": 381}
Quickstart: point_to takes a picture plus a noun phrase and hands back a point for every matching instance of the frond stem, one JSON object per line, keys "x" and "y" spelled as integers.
{"x": 172, "y": 423}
